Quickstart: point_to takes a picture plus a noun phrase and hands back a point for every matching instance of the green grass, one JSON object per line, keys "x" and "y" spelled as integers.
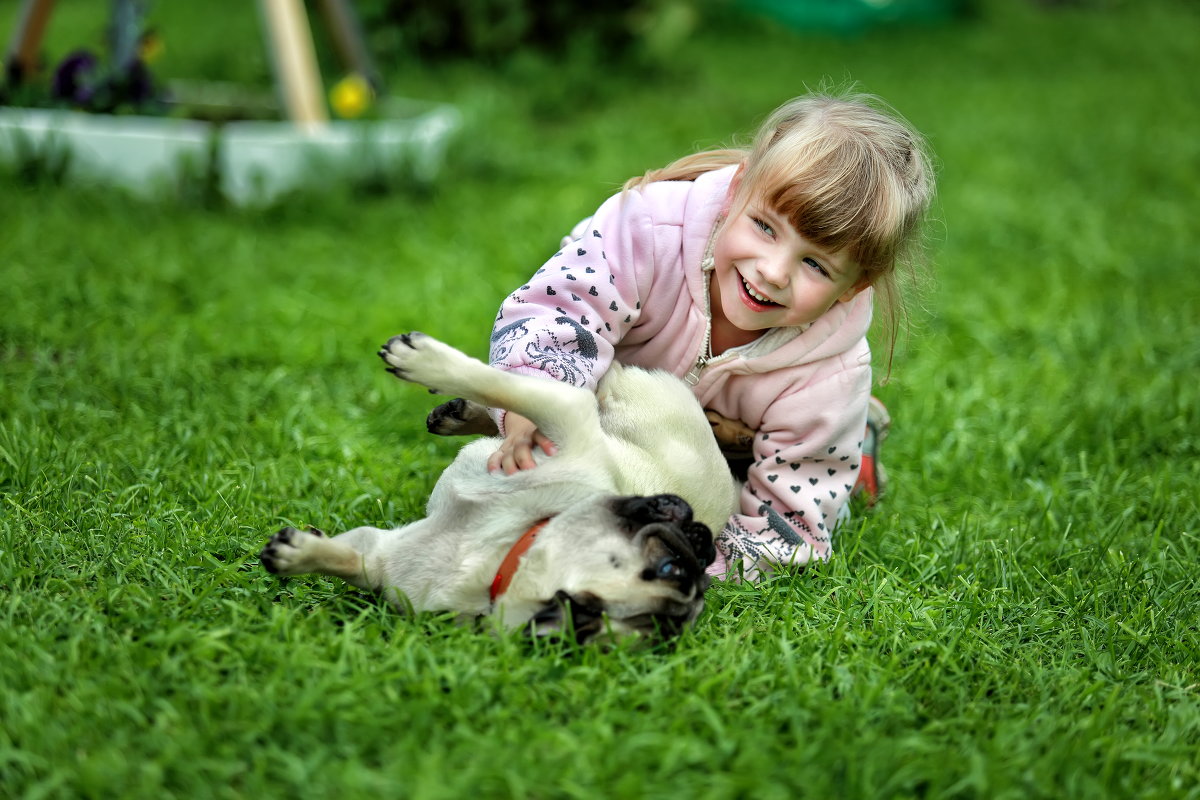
{"x": 1021, "y": 617}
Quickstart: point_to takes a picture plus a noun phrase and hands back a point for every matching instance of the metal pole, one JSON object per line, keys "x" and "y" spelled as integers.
{"x": 346, "y": 31}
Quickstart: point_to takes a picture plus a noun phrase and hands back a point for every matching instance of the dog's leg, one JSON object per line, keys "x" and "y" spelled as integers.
{"x": 567, "y": 414}
{"x": 294, "y": 552}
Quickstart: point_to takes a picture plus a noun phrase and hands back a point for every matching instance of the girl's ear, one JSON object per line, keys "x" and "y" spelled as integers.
{"x": 852, "y": 292}
{"x": 734, "y": 185}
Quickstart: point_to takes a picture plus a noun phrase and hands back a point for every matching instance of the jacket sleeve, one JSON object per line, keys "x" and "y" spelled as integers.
{"x": 566, "y": 321}
{"x": 807, "y": 456}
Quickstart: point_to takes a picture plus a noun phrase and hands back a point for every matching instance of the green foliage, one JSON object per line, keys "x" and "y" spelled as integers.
{"x": 592, "y": 49}
{"x": 493, "y": 30}
{"x": 1020, "y": 618}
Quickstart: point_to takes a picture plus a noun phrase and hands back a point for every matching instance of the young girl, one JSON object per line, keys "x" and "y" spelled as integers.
{"x": 751, "y": 275}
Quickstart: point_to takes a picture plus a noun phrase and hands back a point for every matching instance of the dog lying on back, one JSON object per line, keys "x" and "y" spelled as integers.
{"x": 608, "y": 537}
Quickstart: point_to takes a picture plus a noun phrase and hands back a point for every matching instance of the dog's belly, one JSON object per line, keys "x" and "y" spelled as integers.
{"x": 482, "y": 506}
{"x": 664, "y": 444}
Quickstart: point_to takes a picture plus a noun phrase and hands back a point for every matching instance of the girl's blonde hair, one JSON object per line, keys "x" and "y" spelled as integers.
{"x": 848, "y": 173}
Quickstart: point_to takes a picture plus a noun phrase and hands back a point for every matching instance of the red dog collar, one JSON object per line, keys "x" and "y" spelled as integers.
{"x": 508, "y": 567}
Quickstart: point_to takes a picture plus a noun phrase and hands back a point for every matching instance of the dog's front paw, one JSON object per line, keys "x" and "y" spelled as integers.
{"x": 289, "y": 551}
{"x": 459, "y": 417}
{"x": 421, "y": 359}
{"x": 399, "y": 352}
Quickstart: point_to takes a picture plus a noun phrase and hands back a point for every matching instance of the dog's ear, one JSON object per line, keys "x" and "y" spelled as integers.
{"x": 580, "y": 616}
{"x": 700, "y": 538}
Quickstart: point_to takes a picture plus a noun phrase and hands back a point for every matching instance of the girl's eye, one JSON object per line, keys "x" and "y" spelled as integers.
{"x": 815, "y": 265}
{"x": 764, "y": 227}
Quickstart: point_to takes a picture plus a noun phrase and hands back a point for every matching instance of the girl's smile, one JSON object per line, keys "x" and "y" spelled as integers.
{"x": 757, "y": 301}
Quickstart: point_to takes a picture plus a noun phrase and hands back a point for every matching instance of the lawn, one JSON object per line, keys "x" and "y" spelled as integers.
{"x": 1020, "y": 617}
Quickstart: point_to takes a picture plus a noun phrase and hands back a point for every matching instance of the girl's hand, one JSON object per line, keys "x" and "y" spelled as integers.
{"x": 516, "y": 451}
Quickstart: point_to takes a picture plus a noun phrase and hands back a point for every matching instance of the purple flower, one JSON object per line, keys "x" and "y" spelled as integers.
{"x": 74, "y": 79}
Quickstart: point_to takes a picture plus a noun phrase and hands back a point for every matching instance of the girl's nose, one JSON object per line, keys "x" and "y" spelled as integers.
{"x": 774, "y": 269}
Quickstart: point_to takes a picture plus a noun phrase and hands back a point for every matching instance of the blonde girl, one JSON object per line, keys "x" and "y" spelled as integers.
{"x": 751, "y": 274}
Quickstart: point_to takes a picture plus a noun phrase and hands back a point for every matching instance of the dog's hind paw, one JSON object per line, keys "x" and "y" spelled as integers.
{"x": 289, "y": 552}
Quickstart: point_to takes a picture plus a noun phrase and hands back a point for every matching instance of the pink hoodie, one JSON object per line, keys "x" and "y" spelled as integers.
{"x": 631, "y": 283}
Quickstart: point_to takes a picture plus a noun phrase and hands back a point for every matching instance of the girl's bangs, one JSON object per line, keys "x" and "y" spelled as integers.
{"x": 835, "y": 202}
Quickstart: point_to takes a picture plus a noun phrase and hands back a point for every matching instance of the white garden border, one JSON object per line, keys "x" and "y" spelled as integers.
{"x": 256, "y": 161}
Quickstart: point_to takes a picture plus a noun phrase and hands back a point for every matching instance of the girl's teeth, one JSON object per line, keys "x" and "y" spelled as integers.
{"x": 750, "y": 291}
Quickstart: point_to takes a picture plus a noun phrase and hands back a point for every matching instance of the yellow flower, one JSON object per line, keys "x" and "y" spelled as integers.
{"x": 151, "y": 46}
{"x": 351, "y": 96}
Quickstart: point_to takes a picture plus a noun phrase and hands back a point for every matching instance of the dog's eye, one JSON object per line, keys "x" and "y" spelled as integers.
{"x": 667, "y": 569}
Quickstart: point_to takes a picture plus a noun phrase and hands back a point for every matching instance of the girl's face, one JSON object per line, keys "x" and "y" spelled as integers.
{"x": 766, "y": 275}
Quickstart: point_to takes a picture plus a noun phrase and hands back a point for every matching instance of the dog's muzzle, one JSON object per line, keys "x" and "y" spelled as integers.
{"x": 668, "y": 518}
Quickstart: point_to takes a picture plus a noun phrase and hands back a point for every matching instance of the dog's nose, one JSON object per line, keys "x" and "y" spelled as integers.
{"x": 639, "y": 511}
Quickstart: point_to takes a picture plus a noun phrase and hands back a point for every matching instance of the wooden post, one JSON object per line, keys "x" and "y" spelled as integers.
{"x": 290, "y": 41}
{"x": 27, "y": 38}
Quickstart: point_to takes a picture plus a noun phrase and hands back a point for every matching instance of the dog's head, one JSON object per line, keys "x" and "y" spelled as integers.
{"x": 620, "y": 566}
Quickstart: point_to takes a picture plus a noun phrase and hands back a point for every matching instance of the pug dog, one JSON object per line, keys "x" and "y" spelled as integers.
{"x": 608, "y": 537}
